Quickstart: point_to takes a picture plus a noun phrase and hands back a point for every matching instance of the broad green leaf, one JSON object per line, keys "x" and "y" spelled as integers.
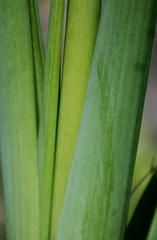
{"x": 97, "y": 194}
{"x": 82, "y": 25}
{"x": 18, "y": 137}
{"x": 48, "y": 117}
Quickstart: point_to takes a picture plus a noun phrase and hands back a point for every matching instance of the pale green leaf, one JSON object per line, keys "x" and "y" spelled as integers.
{"x": 81, "y": 31}
{"x": 97, "y": 195}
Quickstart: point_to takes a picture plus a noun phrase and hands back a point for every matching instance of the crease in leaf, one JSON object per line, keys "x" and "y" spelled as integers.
{"x": 38, "y": 52}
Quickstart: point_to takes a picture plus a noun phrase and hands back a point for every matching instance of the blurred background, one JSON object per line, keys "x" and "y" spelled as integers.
{"x": 147, "y": 149}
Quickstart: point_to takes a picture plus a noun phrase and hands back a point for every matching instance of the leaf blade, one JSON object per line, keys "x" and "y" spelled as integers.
{"x": 81, "y": 30}
{"x": 49, "y": 112}
{"x": 18, "y": 122}
{"x": 105, "y": 151}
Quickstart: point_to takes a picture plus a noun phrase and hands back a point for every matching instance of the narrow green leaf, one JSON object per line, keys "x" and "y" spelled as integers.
{"x": 38, "y": 50}
{"x": 140, "y": 222}
{"x": 18, "y": 122}
{"x": 153, "y": 229}
{"x": 145, "y": 163}
{"x": 82, "y": 25}
{"x": 96, "y": 199}
{"x": 48, "y": 120}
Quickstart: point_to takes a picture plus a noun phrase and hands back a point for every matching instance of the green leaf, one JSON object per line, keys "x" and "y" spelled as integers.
{"x": 153, "y": 229}
{"x": 97, "y": 195}
{"x": 81, "y": 31}
{"x": 145, "y": 163}
{"x": 140, "y": 222}
{"x": 49, "y": 110}
{"x": 18, "y": 135}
